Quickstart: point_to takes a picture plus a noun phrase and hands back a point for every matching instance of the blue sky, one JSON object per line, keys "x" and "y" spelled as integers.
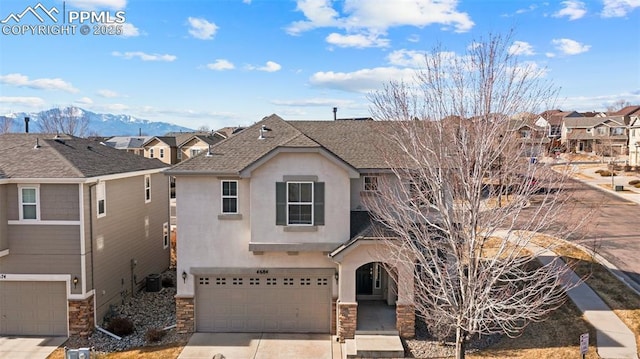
{"x": 232, "y": 62}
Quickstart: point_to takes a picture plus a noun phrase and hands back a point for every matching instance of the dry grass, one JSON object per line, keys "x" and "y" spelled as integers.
{"x": 153, "y": 352}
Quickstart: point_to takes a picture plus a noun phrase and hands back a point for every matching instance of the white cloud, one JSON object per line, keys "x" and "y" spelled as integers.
{"x": 107, "y": 93}
{"x": 550, "y": 54}
{"x": 572, "y": 9}
{"x": 248, "y": 2}
{"x": 570, "y": 47}
{"x": 20, "y": 80}
{"x": 521, "y": 48}
{"x": 98, "y": 4}
{"x": 115, "y": 107}
{"x": 129, "y": 30}
{"x": 34, "y": 102}
{"x": 313, "y": 102}
{"x": 619, "y": 8}
{"x": 220, "y": 65}
{"x": 144, "y": 56}
{"x": 414, "y": 38}
{"x": 201, "y": 28}
{"x": 597, "y": 103}
{"x": 357, "y": 40}
{"x": 365, "y": 80}
{"x": 370, "y": 18}
{"x": 270, "y": 66}
{"x": 84, "y": 101}
{"x": 407, "y": 58}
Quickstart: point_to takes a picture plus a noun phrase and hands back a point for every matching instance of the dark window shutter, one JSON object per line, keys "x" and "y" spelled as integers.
{"x": 281, "y": 203}
{"x": 318, "y": 203}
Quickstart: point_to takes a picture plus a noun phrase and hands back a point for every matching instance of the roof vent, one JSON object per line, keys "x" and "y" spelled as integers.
{"x": 263, "y": 129}
{"x": 37, "y": 144}
{"x": 209, "y": 154}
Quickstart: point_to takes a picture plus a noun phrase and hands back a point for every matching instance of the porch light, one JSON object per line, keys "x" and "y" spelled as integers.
{"x": 75, "y": 282}
{"x": 336, "y": 275}
{"x": 184, "y": 276}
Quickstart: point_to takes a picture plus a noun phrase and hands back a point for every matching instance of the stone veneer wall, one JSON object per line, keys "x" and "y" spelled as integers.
{"x": 334, "y": 316}
{"x": 347, "y": 320}
{"x": 81, "y": 320}
{"x": 406, "y": 320}
{"x": 185, "y": 315}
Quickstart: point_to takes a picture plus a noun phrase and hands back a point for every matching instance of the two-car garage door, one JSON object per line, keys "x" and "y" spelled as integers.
{"x": 290, "y": 303}
{"x": 33, "y": 308}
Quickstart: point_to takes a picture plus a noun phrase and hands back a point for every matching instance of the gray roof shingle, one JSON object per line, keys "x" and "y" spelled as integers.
{"x": 65, "y": 157}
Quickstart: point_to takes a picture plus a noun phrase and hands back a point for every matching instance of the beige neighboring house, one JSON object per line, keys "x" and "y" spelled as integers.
{"x": 531, "y": 138}
{"x": 82, "y": 225}
{"x": 195, "y": 144}
{"x": 606, "y": 136}
{"x": 132, "y": 144}
{"x": 274, "y": 234}
{"x": 163, "y": 148}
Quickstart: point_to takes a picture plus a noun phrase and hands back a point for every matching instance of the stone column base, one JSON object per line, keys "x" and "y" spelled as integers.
{"x": 185, "y": 315}
{"x": 347, "y": 320}
{"x": 334, "y": 316}
{"x": 81, "y": 320}
{"x": 406, "y": 320}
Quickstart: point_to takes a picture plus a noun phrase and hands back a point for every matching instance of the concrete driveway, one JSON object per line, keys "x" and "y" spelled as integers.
{"x": 261, "y": 346}
{"x": 29, "y": 347}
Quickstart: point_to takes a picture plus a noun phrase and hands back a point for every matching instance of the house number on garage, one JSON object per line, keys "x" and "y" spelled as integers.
{"x": 262, "y": 271}
{"x": 3, "y": 276}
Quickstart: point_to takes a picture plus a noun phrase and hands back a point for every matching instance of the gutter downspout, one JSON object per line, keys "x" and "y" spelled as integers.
{"x": 93, "y": 286}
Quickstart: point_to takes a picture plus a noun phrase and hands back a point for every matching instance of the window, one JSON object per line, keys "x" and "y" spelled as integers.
{"x": 179, "y": 154}
{"x": 377, "y": 275}
{"x": 195, "y": 151}
{"x": 601, "y": 131}
{"x": 617, "y": 131}
{"x": 300, "y": 203}
{"x": 165, "y": 235}
{"x": 101, "y": 196}
{"x": 525, "y": 133}
{"x": 370, "y": 183}
{"x": 229, "y": 196}
{"x": 29, "y": 203}
{"x": 151, "y": 153}
{"x": 147, "y": 188}
{"x": 162, "y": 153}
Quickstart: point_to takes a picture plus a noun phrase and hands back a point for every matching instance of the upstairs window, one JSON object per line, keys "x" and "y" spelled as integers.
{"x": 101, "y": 198}
{"x": 162, "y": 153}
{"x": 147, "y": 188}
{"x": 370, "y": 183}
{"x": 179, "y": 154}
{"x": 29, "y": 203}
{"x": 151, "y": 153}
{"x": 229, "y": 197}
{"x": 300, "y": 203}
{"x": 195, "y": 152}
{"x": 617, "y": 131}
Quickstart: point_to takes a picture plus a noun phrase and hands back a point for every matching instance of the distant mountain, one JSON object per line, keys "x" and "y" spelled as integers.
{"x": 100, "y": 124}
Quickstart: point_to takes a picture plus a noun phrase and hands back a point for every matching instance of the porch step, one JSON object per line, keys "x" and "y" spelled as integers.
{"x": 375, "y": 346}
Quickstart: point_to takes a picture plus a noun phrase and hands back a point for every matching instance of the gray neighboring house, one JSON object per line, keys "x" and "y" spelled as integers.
{"x": 133, "y": 144}
{"x": 82, "y": 225}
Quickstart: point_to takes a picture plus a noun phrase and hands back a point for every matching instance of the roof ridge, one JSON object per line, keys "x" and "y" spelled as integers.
{"x": 63, "y": 157}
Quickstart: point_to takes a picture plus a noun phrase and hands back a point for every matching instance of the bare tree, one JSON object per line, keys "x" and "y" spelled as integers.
{"x": 618, "y": 105}
{"x": 458, "y": 203}
{"x": 204, "y": 128}
{"x": 69, "y": 120}
{"x": 5, "y": 124}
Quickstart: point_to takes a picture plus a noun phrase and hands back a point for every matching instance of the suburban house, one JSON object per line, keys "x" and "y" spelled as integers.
{"x": 133, "y": 144}
{"x": 194, "y": 144}
{"x": 82, "y": 225}
{"x": 605, "y": 136}
{"x": 531, "y": 138}
{"x": 274, "y": 233}
{"x": 634, "y": 140}
{"x": 552, "y": 121}
{"x": 179, "y": 146}
{"x": 164, "y": 148}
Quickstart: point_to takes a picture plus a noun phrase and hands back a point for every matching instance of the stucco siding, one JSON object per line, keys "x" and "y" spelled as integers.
{"x": 46, "y": 249}
{"x": 127, "y": 243}
{"x": 12, "y": 202}
{"x": 59, "y": 202}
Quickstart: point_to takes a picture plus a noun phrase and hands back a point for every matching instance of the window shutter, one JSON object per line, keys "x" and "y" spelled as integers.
{"x": 281, "y": 203}
{"x": 318, "y": 203}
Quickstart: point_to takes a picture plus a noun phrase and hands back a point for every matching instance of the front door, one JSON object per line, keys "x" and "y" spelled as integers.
{"x": 364, "y": 280}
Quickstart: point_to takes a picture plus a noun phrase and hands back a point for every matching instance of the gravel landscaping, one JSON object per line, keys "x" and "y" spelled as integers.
{"x": 147, "y": 311}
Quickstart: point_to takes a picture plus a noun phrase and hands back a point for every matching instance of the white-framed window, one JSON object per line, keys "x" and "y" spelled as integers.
{"x": 151, "y": 153}
{"x": 162, "y": 153}
{"x": 165, "y": 235}
{"x": 601, "y": 131}
{"x": 377, "y": 275}
{"x": 370, "y": 183}
{"x": 101, "y": 199}
{"x": 147, "y": 188}
{"x": 617, "y": 131}
{"x": 195, "y": 152}
{"x": 229, "y": 197}
{"x": 300, "y": 203}
{"x": 29, "y": 202}
{"x": 179, "y": 154}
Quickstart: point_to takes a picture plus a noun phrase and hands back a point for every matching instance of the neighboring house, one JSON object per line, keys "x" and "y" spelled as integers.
{"x": 163, "y": 148}
{"x": 634, "y": 140}
{"x": 274, "y": 235}
{"x": 605, "y": 136}
{"x": 132, "y": 144}
{"x": 195, "y": 144}
{"x": 81, "y": 227}
{"x": 552, "y": 121}
{"x": 531, "y": 138}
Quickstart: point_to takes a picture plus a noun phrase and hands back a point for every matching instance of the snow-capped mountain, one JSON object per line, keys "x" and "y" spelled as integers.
{"x": 99, "y": 124}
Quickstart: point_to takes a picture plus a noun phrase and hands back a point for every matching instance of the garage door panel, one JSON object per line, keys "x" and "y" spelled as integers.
{"x": 270, "y": 304}
{"x": 33, "y": 308}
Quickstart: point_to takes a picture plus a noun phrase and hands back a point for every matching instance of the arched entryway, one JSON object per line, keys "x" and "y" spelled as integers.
{"x": 376, "y": 296}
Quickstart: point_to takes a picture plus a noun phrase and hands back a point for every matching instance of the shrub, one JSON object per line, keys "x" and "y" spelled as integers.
{"x": 634, "y": 182}
{"x": 636, "y": 185}
{"x": 605, "y": 173}
{"x": 120, "y": 326}
{"x": 167, "y": 282}
{"x": 154, "y": 335}
{"x": 599, "y": 171}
